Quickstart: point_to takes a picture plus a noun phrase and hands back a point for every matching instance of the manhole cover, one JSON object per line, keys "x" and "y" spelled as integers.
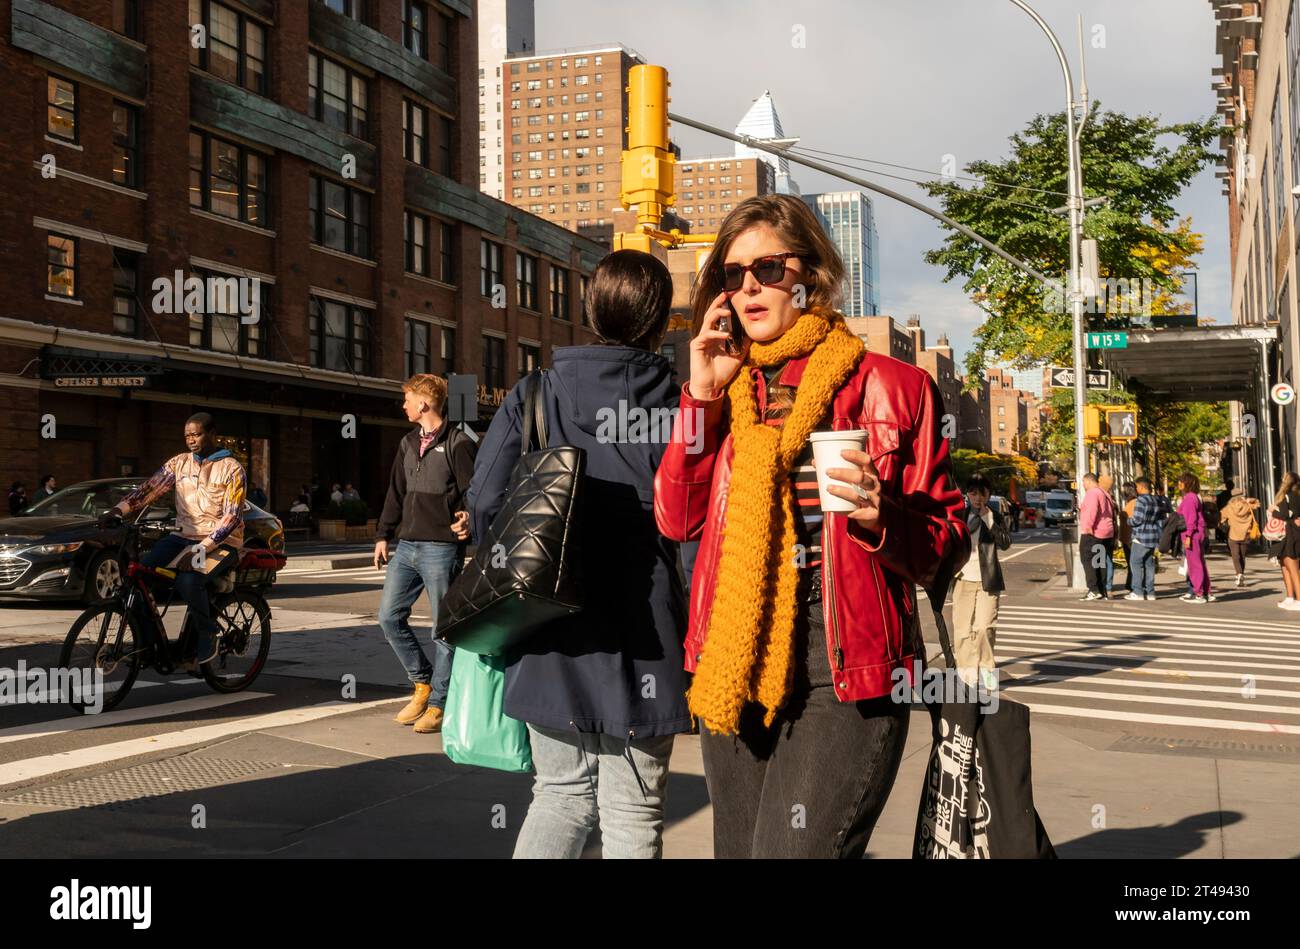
{"x": 153, "y": 779}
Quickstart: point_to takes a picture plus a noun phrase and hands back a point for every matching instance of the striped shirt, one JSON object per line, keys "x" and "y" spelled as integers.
{"x": 807, "y": 503}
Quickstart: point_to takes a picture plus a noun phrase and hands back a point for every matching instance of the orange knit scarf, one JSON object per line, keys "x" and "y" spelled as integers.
{"x": 749, "y": 651}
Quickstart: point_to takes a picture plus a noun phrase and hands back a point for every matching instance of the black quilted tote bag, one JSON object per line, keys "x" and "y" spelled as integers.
{"x": 526, "y": 571}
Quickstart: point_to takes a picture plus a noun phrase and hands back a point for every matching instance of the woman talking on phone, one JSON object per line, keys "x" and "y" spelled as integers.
{"x": 799, "y": 618}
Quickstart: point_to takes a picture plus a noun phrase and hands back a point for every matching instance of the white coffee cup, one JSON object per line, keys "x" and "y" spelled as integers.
{"x": 826, "y": 454}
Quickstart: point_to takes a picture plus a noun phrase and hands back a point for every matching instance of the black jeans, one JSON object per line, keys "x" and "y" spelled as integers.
{"x": 814, "y": 784}
{"x": 1094, "y": 575}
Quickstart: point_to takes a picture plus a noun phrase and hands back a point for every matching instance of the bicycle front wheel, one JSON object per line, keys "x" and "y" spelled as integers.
{"x": 102, "y": 653}
{"x": 243, "y": 632}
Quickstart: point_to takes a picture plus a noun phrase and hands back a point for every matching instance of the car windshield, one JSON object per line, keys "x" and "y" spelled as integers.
{"x": 80, "y": 500}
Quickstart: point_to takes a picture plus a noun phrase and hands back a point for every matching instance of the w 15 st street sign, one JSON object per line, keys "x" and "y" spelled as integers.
{"x": 1107, "y": 341}
{"x": 1063, "y": 378}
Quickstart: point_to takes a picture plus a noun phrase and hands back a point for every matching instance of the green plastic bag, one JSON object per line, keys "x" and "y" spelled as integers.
{"x": 475, "y": 730}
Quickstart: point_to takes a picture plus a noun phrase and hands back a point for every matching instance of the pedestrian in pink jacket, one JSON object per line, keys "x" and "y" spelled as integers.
{"x": 1096, "y": 536}
{"x": 1189, "y": 486}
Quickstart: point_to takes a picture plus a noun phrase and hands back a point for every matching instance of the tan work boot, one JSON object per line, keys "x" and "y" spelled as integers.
{"x": 415, "y": 708}
{"x": 430, "y": 721}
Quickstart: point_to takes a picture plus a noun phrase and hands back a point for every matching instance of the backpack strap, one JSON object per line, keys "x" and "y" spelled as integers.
{"x": 533, "y": 416}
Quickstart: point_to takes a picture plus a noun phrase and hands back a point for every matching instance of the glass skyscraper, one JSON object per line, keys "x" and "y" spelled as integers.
{"x": 849, "y": 219}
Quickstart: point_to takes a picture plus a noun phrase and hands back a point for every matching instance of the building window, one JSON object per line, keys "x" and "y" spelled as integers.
{"x": 229, "y": 180}
{"x": 126, "y": 18}
{"x": 417, "y": 243}
{"x": 530, "y": 357}
{"x": 419, "y": 348}
{"x": 354, "y": 9}
{"x": 494, "y": 362}
{"x": 61, "y": 109}
{"x": 126, "y": 268}
{"x": 126, "y": 144}
{"x": 491, "y": 275}
{"x": 442, "y": 27}
{"x": 526, "y": 280}
{"x": 337, "y": 96}
{"x": 447, "y": 252}
{"x": 559, "y": 293}
{"x": 444, "y": 145}
{"x": 415, "y": 27}
{"x": 447, "y": 349}
{"x": 220, "y": 326}
{"x": 415, "y": 140}
{"x": 61, "y": 266}
{"x": 235, "y": 48}
{"x": 340, "y": 336}
{"x": 340, "y": 217}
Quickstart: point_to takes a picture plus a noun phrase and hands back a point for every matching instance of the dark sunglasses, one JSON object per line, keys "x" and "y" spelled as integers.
{"x": 766, "y": 270}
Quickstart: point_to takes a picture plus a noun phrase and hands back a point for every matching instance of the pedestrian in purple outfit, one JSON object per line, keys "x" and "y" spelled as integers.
{"x": 1193, "y": 538}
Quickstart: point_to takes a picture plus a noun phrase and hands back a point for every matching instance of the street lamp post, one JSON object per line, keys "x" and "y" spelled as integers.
{"x": 1073, "y": 131}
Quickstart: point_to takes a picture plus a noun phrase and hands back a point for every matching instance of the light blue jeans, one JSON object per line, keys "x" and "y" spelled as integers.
{"x": 415, "y": 567}
{"x": 1142, "y": 568}
{"x": 585, "y": 781}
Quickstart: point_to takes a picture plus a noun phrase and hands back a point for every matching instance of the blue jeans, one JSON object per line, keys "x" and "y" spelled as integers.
{"x": 585, "y": 781}
{"x": 417, "y": 566}
{"x": 1142, "y": 568}
{"x": 190, "y": 584}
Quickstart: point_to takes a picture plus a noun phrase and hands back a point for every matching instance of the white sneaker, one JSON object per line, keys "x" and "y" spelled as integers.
{"x": 1135, "y": 596}
{"x": 1210, "y": 598}
{"x": 1241, "y": 579}
{"x": 1285, "y": 604}
{"x": 1293, "y": 605}
{"x": 1151, "y": 596}
{"x": 1090, "y": 596}
{"x": 1189, "y": 598}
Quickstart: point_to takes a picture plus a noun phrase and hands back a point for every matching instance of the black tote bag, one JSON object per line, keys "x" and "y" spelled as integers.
{"x": 977, "y": 801}
{"x": 527, "y": 570}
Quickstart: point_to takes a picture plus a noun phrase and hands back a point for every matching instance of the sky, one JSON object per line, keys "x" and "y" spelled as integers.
{"x": 911, "y": 82}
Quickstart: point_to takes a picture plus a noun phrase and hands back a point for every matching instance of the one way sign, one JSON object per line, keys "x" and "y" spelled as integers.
{"x": 1063, "y": 378}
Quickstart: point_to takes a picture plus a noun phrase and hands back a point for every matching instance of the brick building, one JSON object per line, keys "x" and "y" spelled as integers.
{"x": 708, "y": 189}
{"x": 323, "y": 153}
{"x": 938, "y": 362}
{"x": 883, "y": 335}
{"x": 564, "y": 115}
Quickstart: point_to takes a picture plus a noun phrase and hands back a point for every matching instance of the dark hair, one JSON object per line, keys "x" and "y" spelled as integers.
{"x": 46, "y": 479}
{"x": 1228, "y": 484}
{"x": 204, "y": 420}
{"x": 1188, "y": 483}
{"x": 628, "y": 299}
{"x": 797, "y": 226}
{"x": 15, "y": 486}
{"x": 977, "y": 482}
{"x": 1143, "y": 480}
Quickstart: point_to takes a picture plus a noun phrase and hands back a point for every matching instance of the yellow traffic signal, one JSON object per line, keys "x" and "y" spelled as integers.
{"x": 1092, "y": 422}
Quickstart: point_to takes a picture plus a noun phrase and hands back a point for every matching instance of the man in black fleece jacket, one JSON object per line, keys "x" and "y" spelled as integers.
{"x": 425, "y": 508}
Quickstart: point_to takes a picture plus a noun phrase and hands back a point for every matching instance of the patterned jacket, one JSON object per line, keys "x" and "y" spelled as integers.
{"x": 209, "y": 496}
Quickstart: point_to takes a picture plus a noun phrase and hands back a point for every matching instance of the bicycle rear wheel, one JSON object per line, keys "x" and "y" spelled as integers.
{"x": 103, "y": 642}
{"x": 243, "y": 621}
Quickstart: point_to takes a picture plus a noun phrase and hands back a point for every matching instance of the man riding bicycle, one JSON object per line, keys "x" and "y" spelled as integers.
{"x": 210, "y": 486}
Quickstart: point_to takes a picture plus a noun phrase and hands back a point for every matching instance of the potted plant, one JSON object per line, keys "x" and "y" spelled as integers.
{"x": 332, "y": 524}
{"x": 355, "y": 514}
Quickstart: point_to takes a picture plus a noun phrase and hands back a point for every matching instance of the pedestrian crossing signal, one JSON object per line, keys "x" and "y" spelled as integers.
{"x": 1110, "y": 423}
{"x": 1121, "y": 424}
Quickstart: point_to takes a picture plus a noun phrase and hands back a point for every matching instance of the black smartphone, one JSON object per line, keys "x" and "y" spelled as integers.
{"x": 732, "y": 326}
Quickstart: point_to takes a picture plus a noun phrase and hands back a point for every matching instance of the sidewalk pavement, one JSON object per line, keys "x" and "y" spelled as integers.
{"x": 357, "y": 785}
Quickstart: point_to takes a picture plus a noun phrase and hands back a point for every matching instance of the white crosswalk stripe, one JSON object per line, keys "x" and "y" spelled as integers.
{"x": 1140, "y": 665}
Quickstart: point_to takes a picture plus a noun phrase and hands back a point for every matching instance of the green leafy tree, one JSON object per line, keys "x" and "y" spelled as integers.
{"x": 1141, "y": 165}
{"x": 1126, "y": 159}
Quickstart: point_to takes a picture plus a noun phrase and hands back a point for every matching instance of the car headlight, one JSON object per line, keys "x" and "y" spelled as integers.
{"x": 46, "y": 549}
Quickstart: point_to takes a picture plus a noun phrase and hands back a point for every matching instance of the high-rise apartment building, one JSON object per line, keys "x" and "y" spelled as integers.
{"x": 505, "y": 28}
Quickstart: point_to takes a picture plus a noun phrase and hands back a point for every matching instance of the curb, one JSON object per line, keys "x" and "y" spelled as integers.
{"x": 334, "y": 563}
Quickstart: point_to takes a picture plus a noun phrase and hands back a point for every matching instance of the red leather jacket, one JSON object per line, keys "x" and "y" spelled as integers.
{"x": 867, "y": 579}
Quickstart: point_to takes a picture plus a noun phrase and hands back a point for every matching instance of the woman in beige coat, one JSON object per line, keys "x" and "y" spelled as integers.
{"x": 1239, "y": 515}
